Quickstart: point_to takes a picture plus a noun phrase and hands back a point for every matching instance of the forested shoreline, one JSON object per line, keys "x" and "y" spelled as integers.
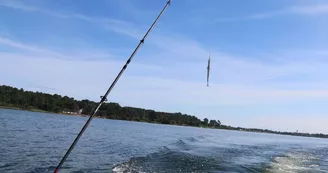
{"x": 12, "y": 97}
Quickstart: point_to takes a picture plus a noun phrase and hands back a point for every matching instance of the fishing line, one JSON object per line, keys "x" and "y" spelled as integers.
{"x": 104, "y": 98}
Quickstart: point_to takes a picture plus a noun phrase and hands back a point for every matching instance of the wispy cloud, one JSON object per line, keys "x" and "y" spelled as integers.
{"x": 38, "y": 51}
{"x": 310, "y": 10}
{"x": 117, "y": 26}
{"x": 239, "y": 83}
{"x": 121, "y": 27}
{"x": 29, "y": 48}
{"x": 19, "y": 5}
{"x": 239, "y": 88}
{"x": 296, "y": 10}
{"x": 184, "y": 50}
{"x": 167, "y": 44}
{"x": 81, "y": 79}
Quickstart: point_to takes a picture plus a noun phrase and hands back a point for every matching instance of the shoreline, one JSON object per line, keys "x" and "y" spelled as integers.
{"x": 239, "y": 129}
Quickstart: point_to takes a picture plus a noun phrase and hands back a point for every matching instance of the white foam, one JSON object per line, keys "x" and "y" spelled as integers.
{"x": 294, "y": 162}
{"x": 125, "y": 168}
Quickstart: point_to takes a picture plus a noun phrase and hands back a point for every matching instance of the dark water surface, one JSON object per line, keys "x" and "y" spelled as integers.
{"x": 35, "y": 142}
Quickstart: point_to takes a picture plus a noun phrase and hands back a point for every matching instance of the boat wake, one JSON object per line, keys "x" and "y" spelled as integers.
{"x": 188, "y": 155}
{"x": 295, "y": 162}
{"x": 175, "y": 158}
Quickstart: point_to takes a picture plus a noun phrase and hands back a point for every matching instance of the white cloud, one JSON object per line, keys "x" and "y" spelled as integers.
{"x": 297, "y": 10}
{"x": 318, "y": 9}
{"x": 122, "y": 27}
{"x": 22, "y": 6}
{"x": 37, "y": 51}
{"x": 18, "y": 5}
{"x": 241, "y": 86}
{"x": 90, "y": 79}
{"x": 235, "y": 82}
{"x": 85, "y": 78}
{"x": 239, "y": 77}
{"x": 30, "y": 48}
{"x": 310, "y": 9}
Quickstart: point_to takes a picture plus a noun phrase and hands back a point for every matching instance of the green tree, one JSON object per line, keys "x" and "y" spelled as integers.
{"x": 213, "y": 123}
{"x": 205, "y": 121}
{"x": 10, "y": 96}
{"x": 151, "y": 115}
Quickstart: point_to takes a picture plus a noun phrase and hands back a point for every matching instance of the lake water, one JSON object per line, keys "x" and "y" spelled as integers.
{"x": 35, "y": 142}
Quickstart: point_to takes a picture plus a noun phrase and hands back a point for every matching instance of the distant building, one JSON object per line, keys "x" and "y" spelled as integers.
{"x": 77, "y": 112}
{"x": 67, "y": 112}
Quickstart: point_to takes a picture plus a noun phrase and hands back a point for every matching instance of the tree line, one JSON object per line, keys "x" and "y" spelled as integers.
{"x": 28, "y": 100}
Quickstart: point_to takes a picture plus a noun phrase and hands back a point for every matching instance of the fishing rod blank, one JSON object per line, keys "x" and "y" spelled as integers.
{"x": 104, "y": 98}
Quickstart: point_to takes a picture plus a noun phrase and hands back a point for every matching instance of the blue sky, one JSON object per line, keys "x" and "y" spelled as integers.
{"x": 269, "y": 58}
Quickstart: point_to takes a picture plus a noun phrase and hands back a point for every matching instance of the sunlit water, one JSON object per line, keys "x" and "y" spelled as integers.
{"x": 35, "y": 142}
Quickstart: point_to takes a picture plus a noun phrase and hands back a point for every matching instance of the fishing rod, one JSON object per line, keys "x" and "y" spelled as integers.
{"x": 104, "y": 98}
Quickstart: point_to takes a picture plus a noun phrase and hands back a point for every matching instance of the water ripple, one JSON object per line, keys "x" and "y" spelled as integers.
{"x": 35, "y": 142}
